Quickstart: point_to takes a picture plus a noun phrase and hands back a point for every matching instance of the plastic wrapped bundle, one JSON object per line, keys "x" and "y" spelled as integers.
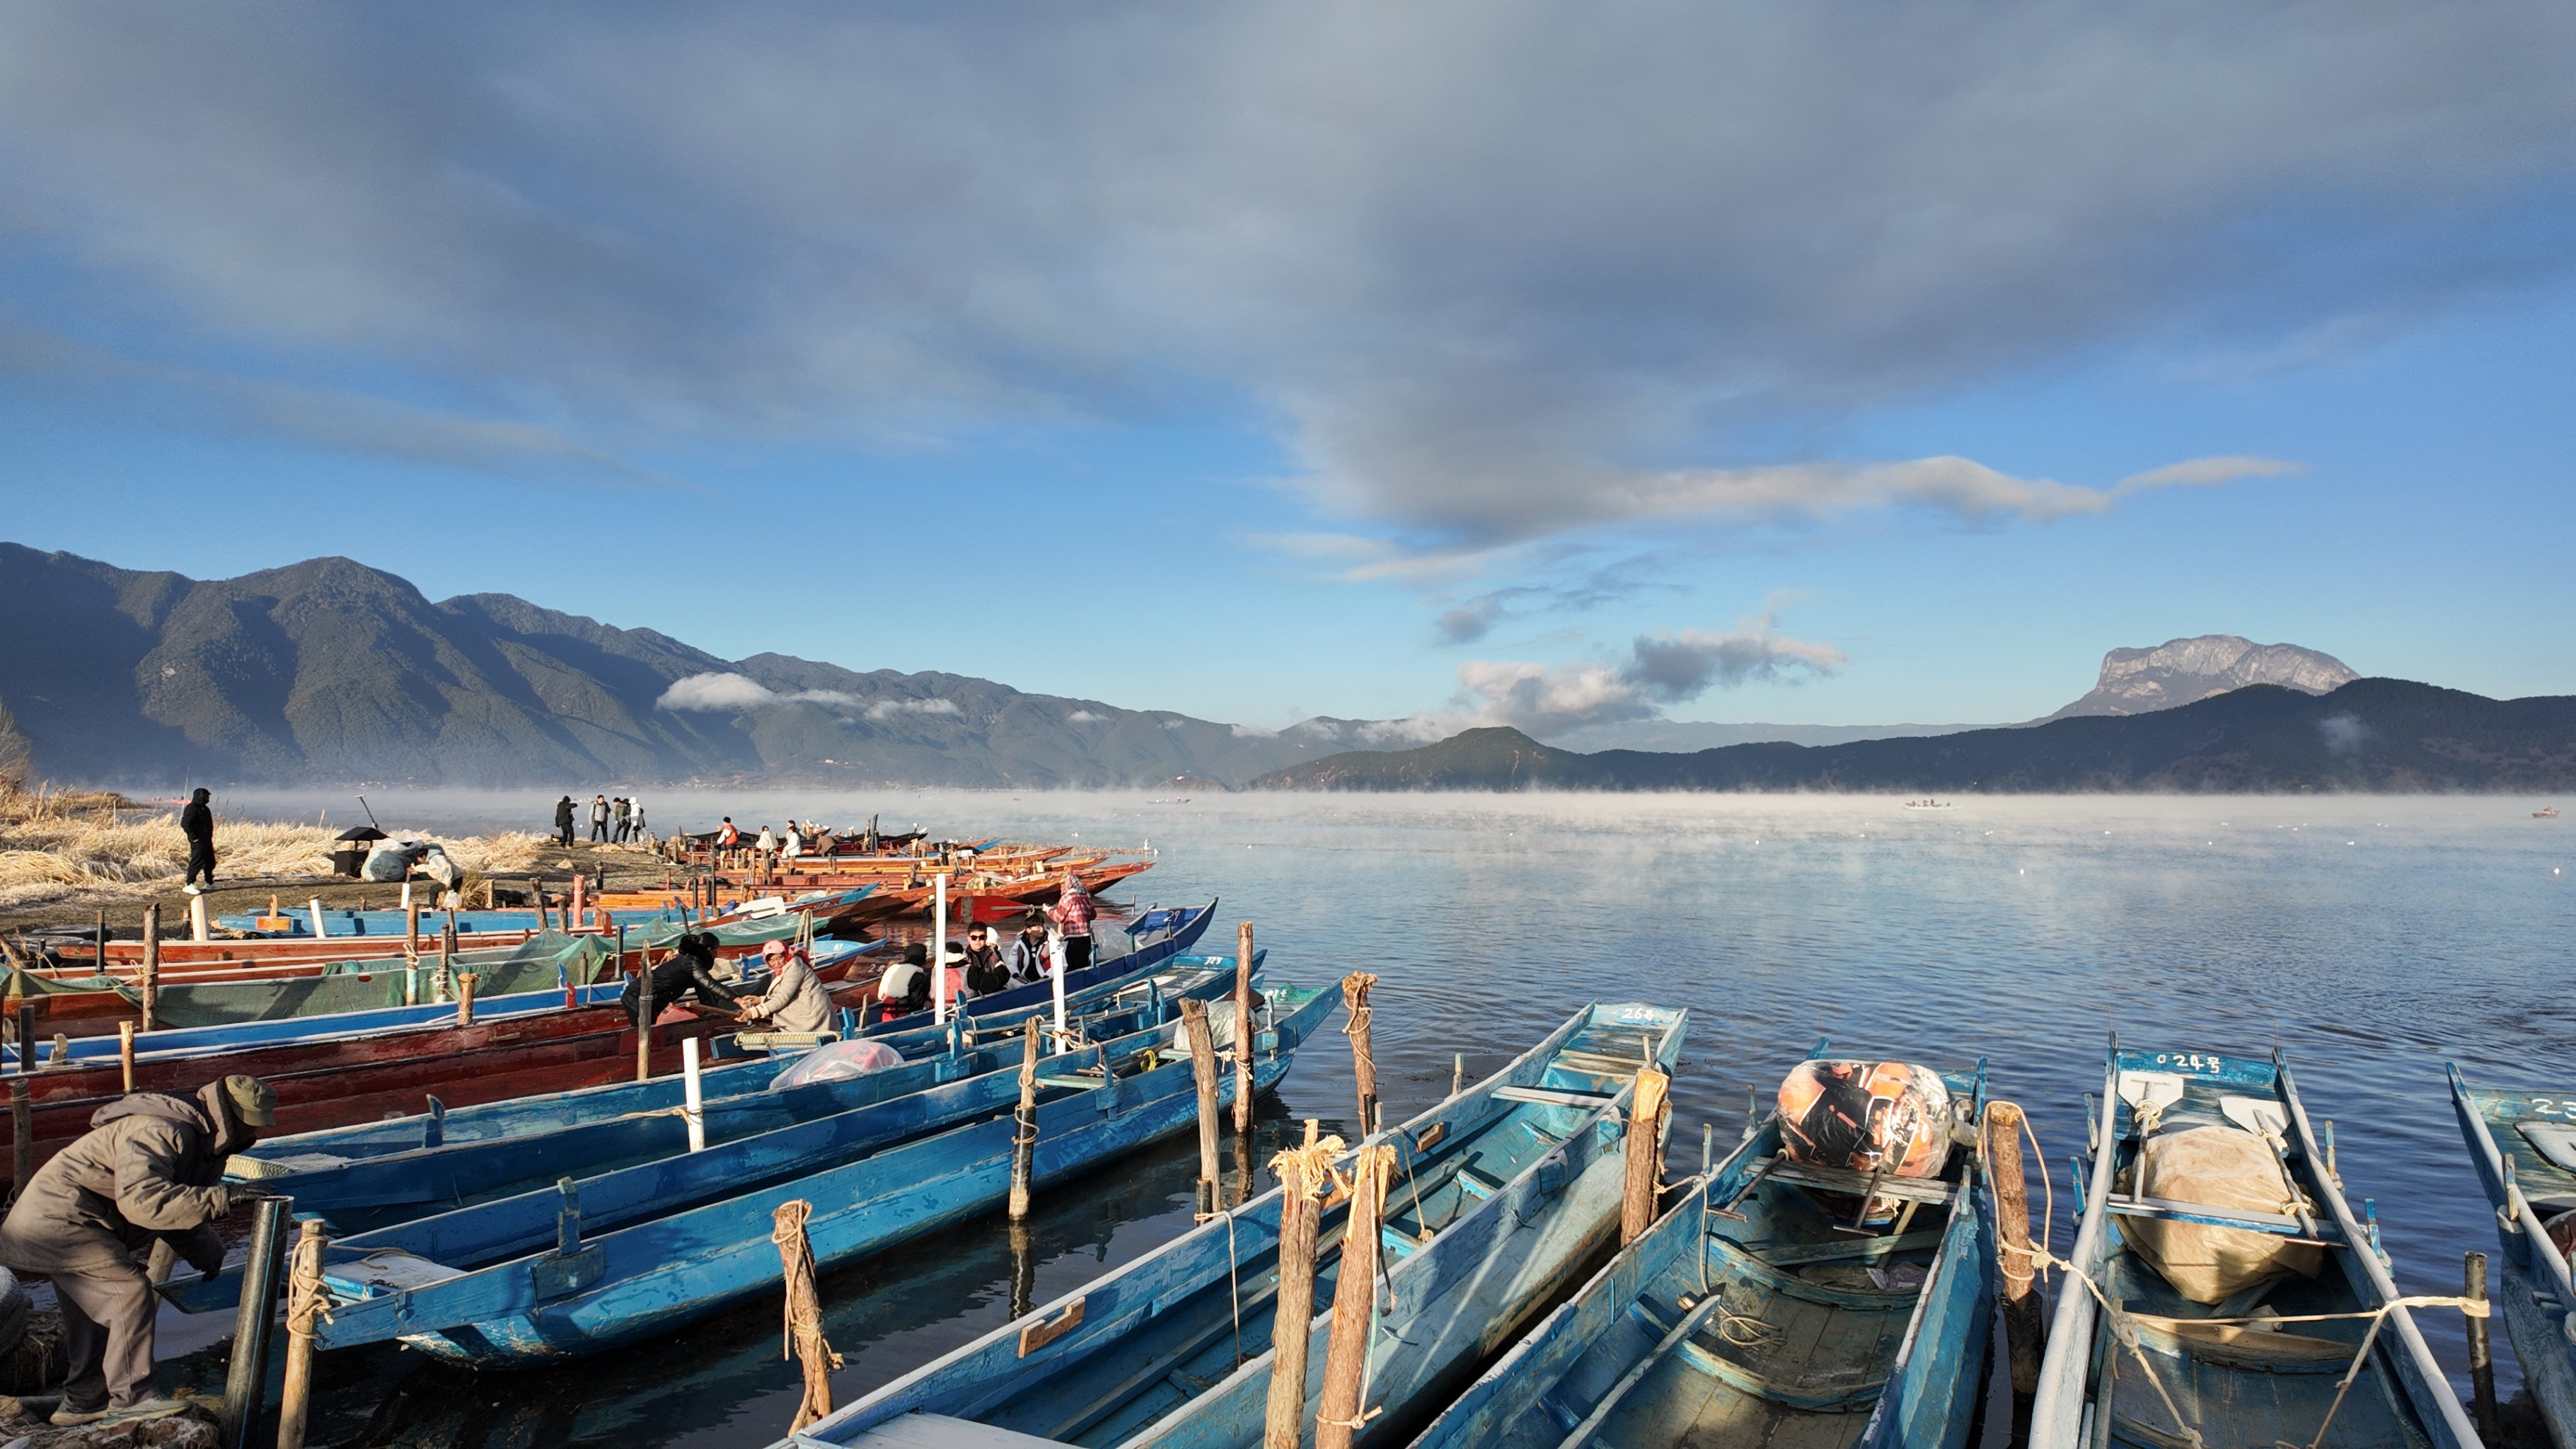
{"x": 2220, "y": 1167}
{"x": 1891, "y": 1117}
{"x": 841, "y": 1061}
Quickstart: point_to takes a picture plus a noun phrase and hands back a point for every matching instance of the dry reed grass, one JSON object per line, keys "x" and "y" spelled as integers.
{"x": 73, "y": 847}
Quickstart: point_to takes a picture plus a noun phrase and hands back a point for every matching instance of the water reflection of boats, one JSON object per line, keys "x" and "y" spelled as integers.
{"x": 2545, "y": 812}
{"x": 1929, "y": 805}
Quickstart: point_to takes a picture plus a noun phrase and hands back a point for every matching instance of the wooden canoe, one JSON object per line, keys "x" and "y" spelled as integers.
{"x": 2251, "y": 1382}
{"x": 1501, "y": 1194}
{"x": 530, "y": 1279}
{"x": 1751, "y": 1313}
{"x": 2522, "y": 1145}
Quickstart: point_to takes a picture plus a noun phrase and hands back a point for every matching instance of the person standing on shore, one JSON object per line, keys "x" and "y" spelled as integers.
{"x": 617, "y": 835}
{"x": 599, "y": 818}
{"x": 563, "y": 821}
{"x": 1073, "y": 913}
{"x": 197, "y": 822}
{"x": 635, "y": 813}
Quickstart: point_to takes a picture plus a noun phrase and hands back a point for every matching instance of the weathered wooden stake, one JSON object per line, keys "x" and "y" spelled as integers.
{"x": 2025, "y": 1331}
{"x": 643, "y": 1008}
{"x": 125, "y": 1051}
{"x": 1024, "y": 1122}
{"x": 1458, "y": 1074}
{"x": 1024, "y": 1270}
{"x": 1301, "y": 1176}
{"x": 1346, "y": 1352}
{"x": 1644, "y": 1153}
{"x": 102, "y": 937}
{"x": 1194, "y": 1026}
{"x": 246, "y": 1375}
{"x": 22, "y": 1123}
{"x": 464, "y": 995}
{"x": 1355, "y": 1006}
{"x": 151, "y": 966}
{"x": 804, "y": 1333}
{"x": 303, "y": 1305}
{"x": 1245, "y": 1034}
{"x": 411, "y": 923}
{"x": 2482, "y": 1401}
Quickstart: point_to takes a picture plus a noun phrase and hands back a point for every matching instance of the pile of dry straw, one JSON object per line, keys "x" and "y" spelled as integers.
{"x": 71, "y": 846}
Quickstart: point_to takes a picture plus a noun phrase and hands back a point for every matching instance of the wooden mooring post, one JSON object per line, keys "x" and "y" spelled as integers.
{"x": 246, "y": 1374}
{"x": 2025, "y": 1331}
{"x": 1355, "y": 1007}
{"x": 1246, "y": 1036}
{"x": 1649, "y": 1103}
{"x": 2482, "y": 1399}
{"x": 22, "y": 1123}
{"x": 1340, "y": 1413}
{"x": 304, "y": 1304}
{"x": 464, "y": 995}
{"x": 1303, "y": 1172}
{"x": 644, "y": 1009}
{"x": 1024, "y": 1122}
{"x": 1194, "y": 1026}
{"x": 125, "y": 1051}
{"x": 151, "y": 967}
{"x": 804, "y": 1331}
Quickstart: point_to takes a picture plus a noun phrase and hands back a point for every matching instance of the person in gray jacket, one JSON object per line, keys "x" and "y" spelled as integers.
{"x": 795, "y": 1000}
{"x": 151, "y": 1168}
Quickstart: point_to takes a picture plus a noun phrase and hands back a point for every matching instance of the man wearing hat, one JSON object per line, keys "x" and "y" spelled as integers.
{"x": 151, "y": 1167}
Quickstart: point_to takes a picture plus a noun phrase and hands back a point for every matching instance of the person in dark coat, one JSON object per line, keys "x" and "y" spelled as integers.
{"x": 151, "y": 1168}
{"x": 563, "y": 821}
{"x": 690, "y": 969}
{"x": 985, "y": 973}
{"x": 197, "y": 822}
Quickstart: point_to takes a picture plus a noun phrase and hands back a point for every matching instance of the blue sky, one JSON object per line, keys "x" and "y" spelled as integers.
{"x": 1706, "y": 360}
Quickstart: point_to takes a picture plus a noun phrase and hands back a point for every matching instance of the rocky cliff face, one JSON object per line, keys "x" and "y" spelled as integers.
{"x": 2186, "y": 671}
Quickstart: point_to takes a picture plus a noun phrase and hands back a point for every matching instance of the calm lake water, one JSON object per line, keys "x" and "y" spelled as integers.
{"x": 2371, "y": 939}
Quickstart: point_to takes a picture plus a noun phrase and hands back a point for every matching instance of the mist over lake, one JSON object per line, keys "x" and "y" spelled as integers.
{"x": 2371, "y": 938}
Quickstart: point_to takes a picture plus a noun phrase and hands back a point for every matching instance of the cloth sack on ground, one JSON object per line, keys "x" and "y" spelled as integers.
{"x": 1891, "y": 1117}
{"x": 839, "y": 1062}
{"x": 2220, "y": 1167}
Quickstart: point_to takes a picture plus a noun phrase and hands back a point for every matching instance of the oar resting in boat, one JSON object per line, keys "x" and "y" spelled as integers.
{"x": 2221, "y": 1291}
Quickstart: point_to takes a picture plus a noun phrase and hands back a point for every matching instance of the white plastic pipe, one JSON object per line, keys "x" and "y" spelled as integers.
{"x": 695, "y": 1112}
{"x": 317, "y": 917}
{"x": 1055, "y": 950}
{"x": 406, "y": 900}
{"x": 199, "y": 930}
{"x": 939, "y": 948}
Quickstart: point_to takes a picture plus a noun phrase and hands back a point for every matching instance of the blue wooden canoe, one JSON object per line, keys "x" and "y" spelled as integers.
{"x": 576, "y": 960}
{"x": 358, "y": 1191}
{"x": 1749, "y": 1314}
{"x": 525, "y": 1280}
{"x": 1500, "y": 1195}
{"x": 2523, "y": 1145}
{"x": 2233, "y": 1385}
{"x": 727, "y": 1071}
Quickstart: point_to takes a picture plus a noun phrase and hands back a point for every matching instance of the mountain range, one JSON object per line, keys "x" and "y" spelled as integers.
{"x": 2371, "y": 734}
{"x": 329, "y": 670}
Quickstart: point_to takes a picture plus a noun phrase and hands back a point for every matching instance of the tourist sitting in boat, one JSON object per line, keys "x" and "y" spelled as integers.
{"x": 691, "y": 969}
{"x": 726, "y": 836}
{"x": 905, "y": 986}
{"x": 795, "y": 841}
{"x": 952, "y": 963}
{"x": 985, "y": 973}
{"x": 151, "y": 1168}
{"x": 1029, "y": 957}
{"x": 767, "y": 844}
{"x": 795, "y": 1000}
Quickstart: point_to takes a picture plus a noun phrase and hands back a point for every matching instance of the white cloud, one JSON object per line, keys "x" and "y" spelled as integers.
{"x": 888, "y": 708}
{"x": 716, "y": 692}
{"x": 1253, "y": 732}
{"x": 1498, "y": 270}
{"x": 1084, "y": 716}
{"x": 1661, "y": 669}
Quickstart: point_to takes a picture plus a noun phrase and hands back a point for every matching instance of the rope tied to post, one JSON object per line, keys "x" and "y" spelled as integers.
{"x": 802, "y": 1337}
{"x": 308, "y": 1303}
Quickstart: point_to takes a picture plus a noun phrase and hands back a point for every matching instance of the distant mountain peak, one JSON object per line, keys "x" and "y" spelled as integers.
{"x": 2187, "y": 671}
